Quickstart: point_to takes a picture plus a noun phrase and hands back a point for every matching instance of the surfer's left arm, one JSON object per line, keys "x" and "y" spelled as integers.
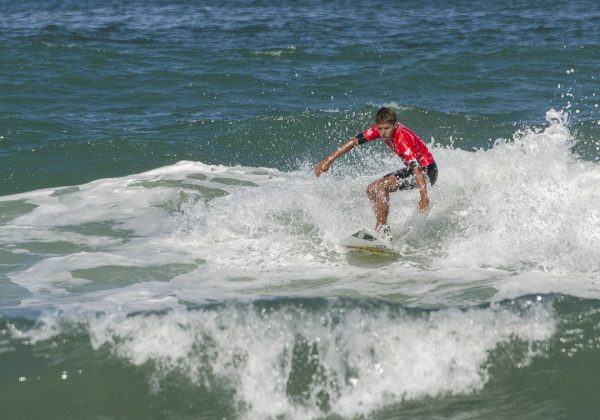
{"x": 423, "y": 205}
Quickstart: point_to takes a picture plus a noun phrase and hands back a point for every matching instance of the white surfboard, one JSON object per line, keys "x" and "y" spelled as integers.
{"x": 366, "y": 240}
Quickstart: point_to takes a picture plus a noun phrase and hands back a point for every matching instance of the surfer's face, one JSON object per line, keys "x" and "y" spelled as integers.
{"x": 386, "y": 130}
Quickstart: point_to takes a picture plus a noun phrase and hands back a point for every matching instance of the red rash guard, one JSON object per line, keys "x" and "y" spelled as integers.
{"x": 406, "y": 144}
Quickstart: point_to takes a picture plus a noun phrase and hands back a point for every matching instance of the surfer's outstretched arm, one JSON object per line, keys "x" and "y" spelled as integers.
{"x": 325, "y": 164}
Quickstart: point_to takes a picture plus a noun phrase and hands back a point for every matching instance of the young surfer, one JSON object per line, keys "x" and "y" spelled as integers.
{"x": 420, "y": 166}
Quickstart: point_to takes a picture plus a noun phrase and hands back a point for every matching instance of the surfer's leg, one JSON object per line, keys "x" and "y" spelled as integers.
{"x": 379, "y": 194}
{"x": 403, "y": 179}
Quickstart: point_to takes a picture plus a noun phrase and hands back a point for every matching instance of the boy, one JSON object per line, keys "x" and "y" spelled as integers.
{"x": 419, "y": 166}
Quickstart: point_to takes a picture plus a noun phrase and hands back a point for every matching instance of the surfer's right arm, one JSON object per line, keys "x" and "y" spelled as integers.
{"x": 325, "y": 164}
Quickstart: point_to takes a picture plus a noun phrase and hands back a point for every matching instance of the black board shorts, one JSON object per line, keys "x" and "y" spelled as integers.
{"x": 406, "y": 178}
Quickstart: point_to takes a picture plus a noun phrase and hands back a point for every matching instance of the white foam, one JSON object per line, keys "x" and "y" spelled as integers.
{"x": 526, "y": 207}
{"x": 525, "y": 204}
{"x": 366, "y": 358}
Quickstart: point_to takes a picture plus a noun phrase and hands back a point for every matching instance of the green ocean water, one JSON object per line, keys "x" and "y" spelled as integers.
{"x": 114, "y": 89}
{"x": 167, "y": 252}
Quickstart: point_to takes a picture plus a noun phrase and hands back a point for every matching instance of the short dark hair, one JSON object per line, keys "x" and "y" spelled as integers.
{"x": 386, "y": 115}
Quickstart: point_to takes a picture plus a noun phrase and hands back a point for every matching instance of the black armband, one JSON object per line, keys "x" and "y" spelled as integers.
{"x": 361, "y": 138}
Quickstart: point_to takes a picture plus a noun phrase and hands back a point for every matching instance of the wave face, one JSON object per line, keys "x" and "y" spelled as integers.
{"x": 298, "y": 358}
{"x": 309, "y": 358}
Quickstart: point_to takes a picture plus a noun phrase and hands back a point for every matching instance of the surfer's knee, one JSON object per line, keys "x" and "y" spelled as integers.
{"x": 373, "y": 189}
{"x": 377, "y": 190}
{"x": 382, "y": 187}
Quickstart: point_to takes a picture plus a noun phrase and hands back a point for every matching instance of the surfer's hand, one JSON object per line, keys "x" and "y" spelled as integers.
{"x": 423, "y": 205}
{"x": 322, "y": 166}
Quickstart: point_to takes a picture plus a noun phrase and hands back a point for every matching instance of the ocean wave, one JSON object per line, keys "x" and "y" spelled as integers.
{"x": 305, "y": 358}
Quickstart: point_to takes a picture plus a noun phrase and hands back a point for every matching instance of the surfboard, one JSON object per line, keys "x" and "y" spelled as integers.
{"x": 366, "y": 240}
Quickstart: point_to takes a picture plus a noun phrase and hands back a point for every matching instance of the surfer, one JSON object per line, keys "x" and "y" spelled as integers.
{"x": 420, "y": 166}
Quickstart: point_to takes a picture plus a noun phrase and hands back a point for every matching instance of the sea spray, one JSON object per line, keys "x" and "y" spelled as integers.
{"x": 524, "y": 203}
